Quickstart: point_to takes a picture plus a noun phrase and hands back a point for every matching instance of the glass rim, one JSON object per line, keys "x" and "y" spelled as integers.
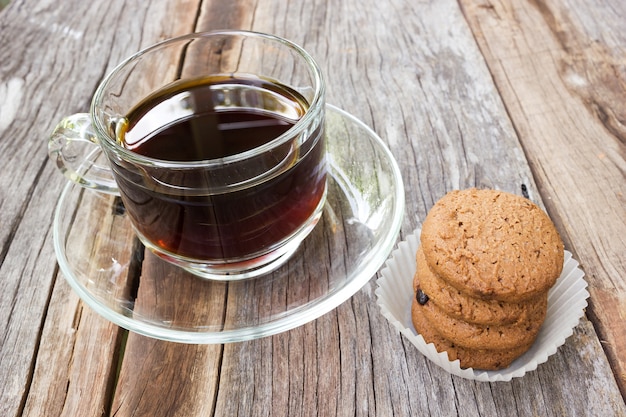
{"x": 316, "y": 106}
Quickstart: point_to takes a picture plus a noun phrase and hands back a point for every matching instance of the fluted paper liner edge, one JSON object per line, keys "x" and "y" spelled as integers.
{"x": 567, "y": 300}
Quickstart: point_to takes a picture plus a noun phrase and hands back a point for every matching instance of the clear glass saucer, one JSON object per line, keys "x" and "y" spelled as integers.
{"x": 114, "y": 274}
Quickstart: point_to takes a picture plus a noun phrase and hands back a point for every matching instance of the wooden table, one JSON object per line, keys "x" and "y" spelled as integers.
{"x": 508, "y": 94}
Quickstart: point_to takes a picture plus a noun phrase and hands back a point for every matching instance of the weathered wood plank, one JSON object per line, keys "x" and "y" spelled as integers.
{"x": 160, "y": 378}
{"x": 562, "y": 75}
{"x": 31, "y": 95}
{"x": 68, "y": 359}
{"x": 27, "y": 277}
{"x": 51, "y": 60}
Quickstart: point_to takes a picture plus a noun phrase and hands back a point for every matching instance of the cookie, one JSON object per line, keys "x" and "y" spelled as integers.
{"x": 487, "y": 359}
{"x": 478, "y": 336}
{"x": 473, "y": 310}
{"x": 492, "y": 245}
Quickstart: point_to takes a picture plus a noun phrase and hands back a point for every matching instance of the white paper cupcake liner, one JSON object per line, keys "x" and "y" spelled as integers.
{"x": 567, "y": 300}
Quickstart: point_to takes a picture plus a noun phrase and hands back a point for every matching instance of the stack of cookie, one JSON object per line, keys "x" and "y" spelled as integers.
{"x": 484, "y": 267}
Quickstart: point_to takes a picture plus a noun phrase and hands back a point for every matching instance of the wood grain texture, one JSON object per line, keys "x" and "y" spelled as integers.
{"x": 411, "y": 70}
{"x": 57, "y": 44}
{"x": 562, "y": 75}
{"x": 68, "y": 358}
{"x": 29, "y": 74}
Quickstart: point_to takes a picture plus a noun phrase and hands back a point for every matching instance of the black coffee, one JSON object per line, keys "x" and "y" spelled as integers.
{"x": 235, "y": 210}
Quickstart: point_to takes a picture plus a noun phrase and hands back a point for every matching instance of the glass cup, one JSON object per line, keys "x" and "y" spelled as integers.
{"x": 215, "y": 143}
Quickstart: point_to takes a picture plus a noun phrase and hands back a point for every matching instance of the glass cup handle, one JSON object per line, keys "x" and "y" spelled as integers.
{"x": 75, "y": 150}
